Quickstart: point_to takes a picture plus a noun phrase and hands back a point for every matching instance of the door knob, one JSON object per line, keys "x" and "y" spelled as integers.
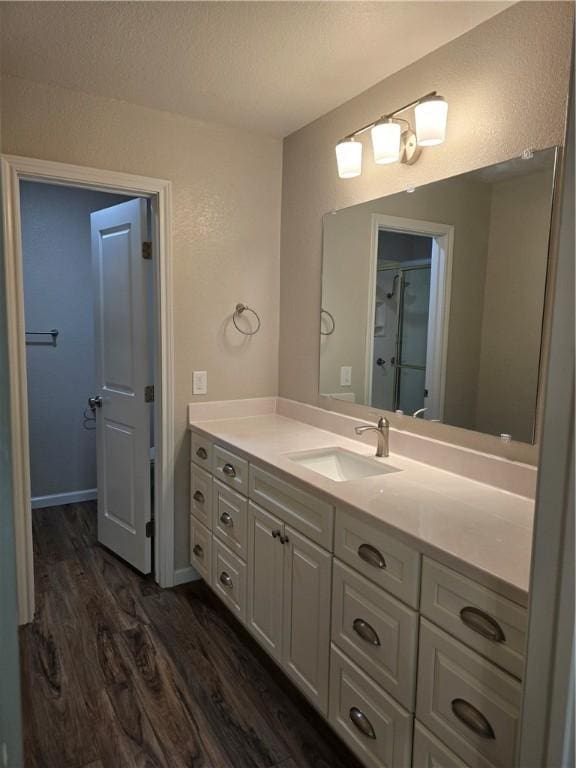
{"x": 95, "y": 402}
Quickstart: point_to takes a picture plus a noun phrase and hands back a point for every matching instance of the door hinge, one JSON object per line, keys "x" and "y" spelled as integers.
{"x": 146, "y": 249}
{"x": 149, "y": 529}
{"x": 149, "y": 393}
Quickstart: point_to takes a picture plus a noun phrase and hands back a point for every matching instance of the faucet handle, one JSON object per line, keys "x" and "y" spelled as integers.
{"x": 383, "y": 422}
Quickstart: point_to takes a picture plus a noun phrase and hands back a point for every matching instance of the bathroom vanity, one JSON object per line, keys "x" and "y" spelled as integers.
{"x": 392, "y": 593}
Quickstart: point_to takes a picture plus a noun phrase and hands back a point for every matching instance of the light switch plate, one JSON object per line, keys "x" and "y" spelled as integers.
{"x": 200, "y": 382}
{"x": 345, "y": 375}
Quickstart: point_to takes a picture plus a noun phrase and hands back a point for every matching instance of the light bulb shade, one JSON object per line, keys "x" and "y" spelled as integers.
{"x": 431, "y": 117}
{"x": 349, "y": 158}
{"x": 386, "y": 142}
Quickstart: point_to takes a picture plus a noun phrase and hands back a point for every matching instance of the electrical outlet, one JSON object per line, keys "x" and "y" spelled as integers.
{"x": 200, "y": 382}
{"x": 345, "y": 376}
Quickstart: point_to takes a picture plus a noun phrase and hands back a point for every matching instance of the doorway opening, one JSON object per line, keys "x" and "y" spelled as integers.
{"x": 85, "y": 312}
{"x": 130, "y": 266}
{"x": 401, "y": 321}
{"x": 408, "y": 315}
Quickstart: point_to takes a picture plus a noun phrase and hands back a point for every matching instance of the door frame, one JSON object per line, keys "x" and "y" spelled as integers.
{"x": 15, "y": 169}
{"x": 440, "y": 287}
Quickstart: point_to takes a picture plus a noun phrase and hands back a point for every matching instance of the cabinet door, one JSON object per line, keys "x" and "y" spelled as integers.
{"x": 265, "y": 573}
{"x": 306, "y": 627}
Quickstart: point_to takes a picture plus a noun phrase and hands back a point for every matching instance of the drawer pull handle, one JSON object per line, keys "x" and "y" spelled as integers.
{"x": 362, "y": 723}
{"x": 226, "y": 519}
{"x": 226, "y": 580}
{"x": 276, "y": 533}
{"x": 229, "y": 470}
{"x": 202, "y": 453}
{"x": 198, "y": 551}
{"x": 370, "y": 555}
{"x": 472, "y": 718}
{"x": 284, "y": 539}
{"x": 365, "y": 631}
{"x": 199, "y": 497}
{"x": 482, "y": 623}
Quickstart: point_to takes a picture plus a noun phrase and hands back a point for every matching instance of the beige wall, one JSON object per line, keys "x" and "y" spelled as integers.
{"x": 226, "y": 195}
{"x": 506, "y": 82}
{"x": 513, "y": 305}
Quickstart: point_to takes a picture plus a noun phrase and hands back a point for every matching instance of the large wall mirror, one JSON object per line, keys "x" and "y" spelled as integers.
{"x": 433, "y": 299}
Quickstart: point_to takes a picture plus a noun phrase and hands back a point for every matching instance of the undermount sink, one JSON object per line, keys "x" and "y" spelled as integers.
{"x": 340, "y": 465}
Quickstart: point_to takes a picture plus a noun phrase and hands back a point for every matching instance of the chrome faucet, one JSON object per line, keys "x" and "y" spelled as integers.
{"x": 383, "y": 431}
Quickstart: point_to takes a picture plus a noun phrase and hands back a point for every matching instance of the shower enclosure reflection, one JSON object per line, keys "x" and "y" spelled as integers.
{"x": 401, "y": 322}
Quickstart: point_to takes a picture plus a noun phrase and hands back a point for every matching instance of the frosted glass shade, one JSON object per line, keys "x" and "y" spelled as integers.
{"x": 349, "y": 158}
{"x": 386, "y": 143}
{"x": 431, "y": 117}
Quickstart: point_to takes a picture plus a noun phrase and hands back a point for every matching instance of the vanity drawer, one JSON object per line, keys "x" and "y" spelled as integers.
{"x": 373, "y": 725}
{"x": 201, "y": 451}
{"x": 429, "y": 752}
{"x": 230, "y": 513}
{"x": 201, "y": 495}
{"x": 201, "y": 549}
{"x": 304, "y": 512}
{"x": 469, "y": 703}
{"x": 378, "y": 556}
{"x": 229, "y": 578}
{"x": 377, "y": 631}
{"x": 487, "y": 622}
{"x": 230, "y": 469}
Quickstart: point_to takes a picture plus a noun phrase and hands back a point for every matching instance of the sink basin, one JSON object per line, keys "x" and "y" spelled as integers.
{"x": 340, "y": 465}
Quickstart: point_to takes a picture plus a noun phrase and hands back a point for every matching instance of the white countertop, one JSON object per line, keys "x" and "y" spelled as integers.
{"x": 481, "y": 531}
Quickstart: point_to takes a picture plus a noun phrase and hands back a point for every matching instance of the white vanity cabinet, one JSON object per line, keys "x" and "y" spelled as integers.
{"x": 264, "y": 546}
{"x": 413, "y": 664}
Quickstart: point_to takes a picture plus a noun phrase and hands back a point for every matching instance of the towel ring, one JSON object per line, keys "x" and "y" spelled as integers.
{"x": 240, "y": 308}
{"x": 331, "y": 316}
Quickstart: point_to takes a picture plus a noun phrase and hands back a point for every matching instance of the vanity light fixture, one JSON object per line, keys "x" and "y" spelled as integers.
{"x": 393, "y": 139}
{"x": 349, "y": 158}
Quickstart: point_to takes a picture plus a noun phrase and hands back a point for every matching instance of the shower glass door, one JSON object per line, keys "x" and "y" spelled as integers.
{"x": 400, "y": 338}
{"x": 414, "y": 303}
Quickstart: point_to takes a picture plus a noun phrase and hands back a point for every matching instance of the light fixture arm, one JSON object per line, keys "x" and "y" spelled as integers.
{"x": 389, "y": 116}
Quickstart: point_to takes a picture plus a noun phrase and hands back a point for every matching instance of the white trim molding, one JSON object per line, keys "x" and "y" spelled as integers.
{"x": 185, "y": 575}
{"x": 59, "y": 499}
{"x": 14, "y": 169}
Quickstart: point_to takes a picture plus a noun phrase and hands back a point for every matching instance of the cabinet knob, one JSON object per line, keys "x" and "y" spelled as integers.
{"x": 229, "y": 470}
{"x": 361, "y": 722}
{"x": 276, "y": 533}
{"x": 482, "y": 623}
{"x": 472, "y": 718}
{"x": 198, "y": 551}
{"x": 371, "y": 555}
{"x": 202, "y": 453}
{"x": 226, "y": 519}
{"x": 365, "y": 631}
{"x": 225, "y": 580}
{"x": 284, "y": 539}
{"x": 199, "y": 497}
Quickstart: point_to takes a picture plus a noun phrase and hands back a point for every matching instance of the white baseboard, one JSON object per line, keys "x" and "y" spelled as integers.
{"x": 184, "y": 575}
{"x": 57, "y": 499}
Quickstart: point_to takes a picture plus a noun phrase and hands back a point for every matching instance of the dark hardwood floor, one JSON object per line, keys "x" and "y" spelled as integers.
{"x": 119, "y": 673}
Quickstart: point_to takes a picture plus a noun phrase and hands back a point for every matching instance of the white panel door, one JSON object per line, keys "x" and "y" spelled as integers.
{"x": 122, "y": 373}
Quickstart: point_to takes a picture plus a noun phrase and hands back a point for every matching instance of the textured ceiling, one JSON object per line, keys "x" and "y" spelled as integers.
{"x": 269, "y": 67}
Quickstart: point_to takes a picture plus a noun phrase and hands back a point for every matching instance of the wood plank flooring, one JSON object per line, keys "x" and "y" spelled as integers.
{"x": 118, "y": 673}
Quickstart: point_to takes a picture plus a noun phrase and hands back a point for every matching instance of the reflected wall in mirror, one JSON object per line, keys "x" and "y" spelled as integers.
{"x": 433, "y": 300}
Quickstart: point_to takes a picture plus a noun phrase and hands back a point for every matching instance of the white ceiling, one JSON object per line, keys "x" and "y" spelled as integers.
{"x": 269, "y": 67}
